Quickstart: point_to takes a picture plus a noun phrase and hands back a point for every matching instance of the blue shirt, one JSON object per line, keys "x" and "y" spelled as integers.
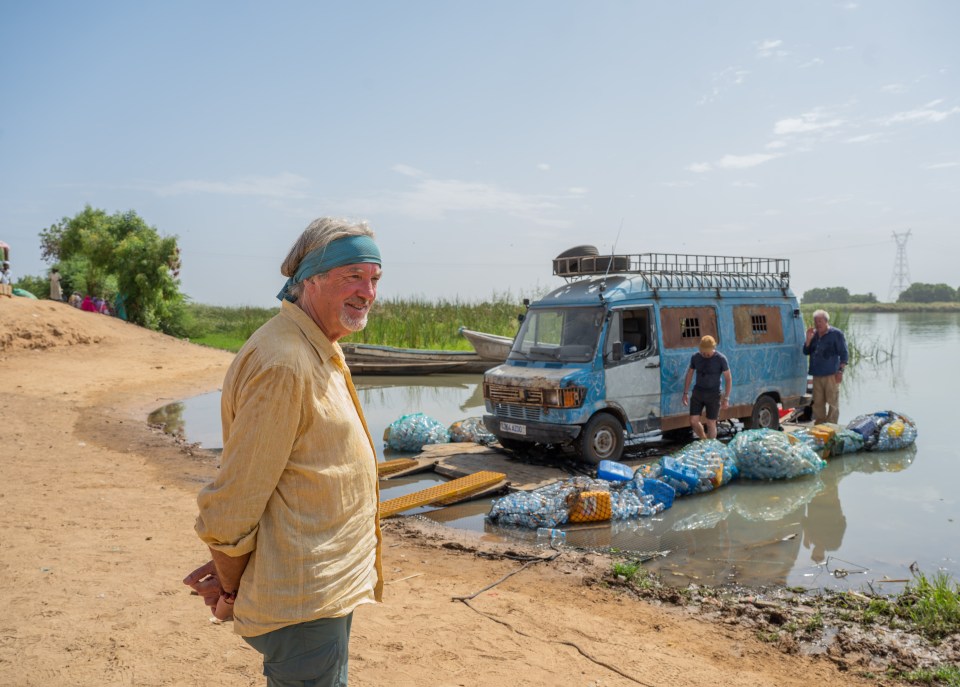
{"x": 827, "y": 353}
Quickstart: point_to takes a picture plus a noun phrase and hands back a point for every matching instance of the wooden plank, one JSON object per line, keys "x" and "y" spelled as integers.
{"x": 420, "y": 464}
{"x": 442, "y": 492}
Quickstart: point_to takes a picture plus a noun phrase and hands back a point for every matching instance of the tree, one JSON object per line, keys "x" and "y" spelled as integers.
{"x": 918, "y": 292}
{"x": 830, "y": 294}
{"x": 863, "y": 297}
{"x": 120, "y": 255}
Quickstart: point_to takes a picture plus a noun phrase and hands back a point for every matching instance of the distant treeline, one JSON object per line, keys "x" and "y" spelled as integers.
{"x": 918, "y": 292}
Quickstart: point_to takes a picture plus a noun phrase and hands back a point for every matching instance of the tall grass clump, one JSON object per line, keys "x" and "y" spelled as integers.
{"x": 418, "y": 323}
{"x": 401, "y": 322}
{"x": 225, "y": 327}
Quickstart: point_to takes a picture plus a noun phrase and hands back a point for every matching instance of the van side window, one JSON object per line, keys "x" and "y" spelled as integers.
{"x": 683, "y": 327}
{"x": 757, "y": 324}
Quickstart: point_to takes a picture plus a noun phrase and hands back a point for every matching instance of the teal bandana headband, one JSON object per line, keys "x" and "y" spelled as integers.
{"x": 348, "y": 250}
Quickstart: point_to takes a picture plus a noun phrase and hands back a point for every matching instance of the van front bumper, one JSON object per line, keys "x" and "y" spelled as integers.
{"x": 540, "y": 432}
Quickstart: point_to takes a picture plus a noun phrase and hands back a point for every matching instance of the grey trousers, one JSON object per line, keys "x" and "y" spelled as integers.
{"x": 310, "y": 654}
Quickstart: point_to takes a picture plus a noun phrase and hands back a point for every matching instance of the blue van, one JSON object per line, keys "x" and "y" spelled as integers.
{"x": 601, "y": 361}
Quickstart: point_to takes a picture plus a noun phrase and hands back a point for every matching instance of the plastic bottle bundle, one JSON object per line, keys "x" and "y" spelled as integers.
{"x": 547, "y": 506}
{"x": 412, "y": 432}
{"x": 809, "y": 438}
{"x": 771, "y": 454}
{"x": 846, "y": 441}
{"x": 471, "y": 429}
{"x": 896, "y": 433}
{"x": 699, "y": 467}
{"x": 629, "y": 500}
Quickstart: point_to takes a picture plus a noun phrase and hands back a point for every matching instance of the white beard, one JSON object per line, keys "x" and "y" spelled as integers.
{"x": 353, "y": 323}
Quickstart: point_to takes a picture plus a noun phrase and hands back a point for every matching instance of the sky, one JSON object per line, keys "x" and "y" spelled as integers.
{"x": 482, "y": 139}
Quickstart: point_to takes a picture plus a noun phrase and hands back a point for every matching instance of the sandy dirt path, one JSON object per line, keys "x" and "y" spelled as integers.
{"x": 96, "y": 532}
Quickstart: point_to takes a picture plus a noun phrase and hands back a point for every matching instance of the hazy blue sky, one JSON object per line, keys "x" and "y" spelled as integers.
{"x": 482, "y": 139}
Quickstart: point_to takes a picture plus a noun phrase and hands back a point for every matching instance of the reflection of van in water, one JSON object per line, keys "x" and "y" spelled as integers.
{"x": 602, "y": 359}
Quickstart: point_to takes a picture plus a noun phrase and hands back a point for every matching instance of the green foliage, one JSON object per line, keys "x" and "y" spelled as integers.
{"x": 830, "y": 294}
{"x": 945, "y": 675}
{"x": 405, "y": 323}
{"x": 38, "y": 286}
{"x": 932, "y": 604}
{"x": 120, "y": 255}
{"x": 918, "y": 292}
{"x": 836, "y": 294}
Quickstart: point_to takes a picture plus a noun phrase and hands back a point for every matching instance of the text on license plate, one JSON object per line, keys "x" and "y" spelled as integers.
{"x": 513, "y": 428}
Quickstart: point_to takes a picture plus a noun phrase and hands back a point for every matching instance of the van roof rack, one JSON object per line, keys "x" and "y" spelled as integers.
{"x": 681, "y": 271}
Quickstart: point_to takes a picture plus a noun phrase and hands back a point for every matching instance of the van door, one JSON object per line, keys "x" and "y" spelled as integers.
{"x": 633, "y": 377}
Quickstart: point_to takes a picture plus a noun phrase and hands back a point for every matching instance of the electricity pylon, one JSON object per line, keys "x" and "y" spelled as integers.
{"x": 900, "y": 281}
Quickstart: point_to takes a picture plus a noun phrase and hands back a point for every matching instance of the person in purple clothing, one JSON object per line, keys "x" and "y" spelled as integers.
{"x": 827, "y": 348}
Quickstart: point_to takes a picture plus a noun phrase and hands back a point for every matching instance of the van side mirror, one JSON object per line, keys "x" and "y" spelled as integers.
{"x": 521, "y": 317}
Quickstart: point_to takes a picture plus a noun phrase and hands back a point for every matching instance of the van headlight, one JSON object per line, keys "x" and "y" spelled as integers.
{"x": 568, "y": 397}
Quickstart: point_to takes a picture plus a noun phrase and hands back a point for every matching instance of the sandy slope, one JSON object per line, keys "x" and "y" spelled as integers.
{"x": 96, "y": 534}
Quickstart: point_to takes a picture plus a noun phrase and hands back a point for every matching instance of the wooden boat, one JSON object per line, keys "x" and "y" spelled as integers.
{"x": 367, "y": 359}
{"x": 489, "y": 346}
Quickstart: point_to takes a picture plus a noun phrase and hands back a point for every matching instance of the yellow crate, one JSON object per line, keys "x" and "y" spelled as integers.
{"x": 591, "y": 506}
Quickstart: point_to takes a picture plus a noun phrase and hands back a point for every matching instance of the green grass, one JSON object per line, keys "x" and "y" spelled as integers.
{"x": 932, "y": 604}
{"x": 945, "y": 676}
{"x": 633, "y": 572}
{"x": 405, "y": 323}
{"x": 947, "y": 306}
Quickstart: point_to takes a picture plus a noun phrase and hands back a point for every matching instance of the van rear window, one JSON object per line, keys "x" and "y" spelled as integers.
{"x": 757, "y": 324}
{"x": 683, "y": 327}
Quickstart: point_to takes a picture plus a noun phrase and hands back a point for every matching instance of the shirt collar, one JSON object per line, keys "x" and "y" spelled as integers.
{"x": 325, "y": 348}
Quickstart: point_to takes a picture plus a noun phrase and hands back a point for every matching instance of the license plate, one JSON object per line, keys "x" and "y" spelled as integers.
{"x": 513, "y": 428}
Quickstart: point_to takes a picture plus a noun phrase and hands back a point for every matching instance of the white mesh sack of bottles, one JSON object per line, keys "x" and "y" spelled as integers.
{"x": 698, "y": 467}
{"x": 552, "y": 505}
{"x": 884, "y": 430}
{"x": 412, "y": 432}
{"x": 771, "y": 454}
{"x": 471, "y": 429}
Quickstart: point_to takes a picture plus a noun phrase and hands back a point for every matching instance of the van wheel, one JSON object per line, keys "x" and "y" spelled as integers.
{"x": 578, "y": 251}
{"x": 765, "y": 414}
{"x": 601, "y": 439}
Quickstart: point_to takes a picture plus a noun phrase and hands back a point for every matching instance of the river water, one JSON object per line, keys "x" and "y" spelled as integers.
{"x": 866, "y": 518}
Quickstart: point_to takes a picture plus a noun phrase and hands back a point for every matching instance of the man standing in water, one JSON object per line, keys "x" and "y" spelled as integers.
{"x": 291, "y": 518}
{"x": 827, "y": 348}
{"x": 709, "y": 365}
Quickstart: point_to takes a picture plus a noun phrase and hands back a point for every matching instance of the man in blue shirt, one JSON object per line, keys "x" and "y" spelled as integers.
{"x": 710, "y": 366}
{"x": 827, "y": 348}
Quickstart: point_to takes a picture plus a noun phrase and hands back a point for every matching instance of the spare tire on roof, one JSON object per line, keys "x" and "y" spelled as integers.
{"x": 578, "y": 251}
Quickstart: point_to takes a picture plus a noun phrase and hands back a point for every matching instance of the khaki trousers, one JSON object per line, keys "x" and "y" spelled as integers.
{"x": 826, "y": 392}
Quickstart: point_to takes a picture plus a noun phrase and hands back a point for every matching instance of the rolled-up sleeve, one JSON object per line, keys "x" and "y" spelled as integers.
{"x": 261, "y": 417}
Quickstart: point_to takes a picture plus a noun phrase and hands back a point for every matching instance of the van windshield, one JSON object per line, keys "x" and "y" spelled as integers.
{"x": 563, "y": 334}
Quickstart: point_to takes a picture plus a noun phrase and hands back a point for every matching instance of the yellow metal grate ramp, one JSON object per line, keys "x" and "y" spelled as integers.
{"x": 388, "y": 467}
{"x": 464, "y": 486}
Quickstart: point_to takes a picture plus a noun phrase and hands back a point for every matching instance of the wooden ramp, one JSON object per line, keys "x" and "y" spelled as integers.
{"x": 443, "y": 493}
{"x": 401, "y": 467}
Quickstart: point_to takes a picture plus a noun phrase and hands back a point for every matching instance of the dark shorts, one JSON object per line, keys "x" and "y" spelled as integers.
{"x": 710, "y": 400}
{"x": 311, "y": 654}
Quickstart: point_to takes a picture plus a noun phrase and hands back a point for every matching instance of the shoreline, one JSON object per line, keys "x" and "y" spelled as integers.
{"x": 98, "y": 512}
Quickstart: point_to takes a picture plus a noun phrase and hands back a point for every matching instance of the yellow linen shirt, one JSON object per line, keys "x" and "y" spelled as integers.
{"x": 297, "y": 486}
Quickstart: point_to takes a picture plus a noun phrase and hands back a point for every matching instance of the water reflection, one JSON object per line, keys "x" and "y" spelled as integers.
{"x": 877, "y": 512}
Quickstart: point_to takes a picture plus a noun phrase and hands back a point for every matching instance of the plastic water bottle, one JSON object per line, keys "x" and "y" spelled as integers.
{"x": 551, "y": 535}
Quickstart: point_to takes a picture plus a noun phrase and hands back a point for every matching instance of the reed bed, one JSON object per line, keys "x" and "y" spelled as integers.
{"x": 400, "y": 322}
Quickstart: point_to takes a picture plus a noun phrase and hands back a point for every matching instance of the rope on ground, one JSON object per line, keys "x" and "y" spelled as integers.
{"x": 545, "y": 559}
{"x": 583, "y": 653}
